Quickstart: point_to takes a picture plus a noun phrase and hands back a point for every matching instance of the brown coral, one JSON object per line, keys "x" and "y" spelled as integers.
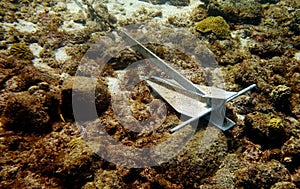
{"x": 21, "y": 50}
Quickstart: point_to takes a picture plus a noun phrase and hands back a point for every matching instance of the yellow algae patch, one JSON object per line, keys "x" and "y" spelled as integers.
{"x": 214, "y": 24}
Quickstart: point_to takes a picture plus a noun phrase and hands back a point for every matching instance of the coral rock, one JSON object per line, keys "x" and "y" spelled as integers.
{"x": 21, "y": 51}
{"x": 216, "y": 25}
{"x": 245, "y": 11}
{"x": 285, "y": 185}
{"x": 172, "y": 2}
{"x": 291, "y": 149}
{"x": 280, "y": 94}
{"x": 86, "y": 93}
{"x": 265, "y": 130}
{"x": 199, "y": 158}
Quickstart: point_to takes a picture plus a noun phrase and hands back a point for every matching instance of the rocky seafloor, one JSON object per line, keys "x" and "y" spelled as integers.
{"x": 44, "y": 42}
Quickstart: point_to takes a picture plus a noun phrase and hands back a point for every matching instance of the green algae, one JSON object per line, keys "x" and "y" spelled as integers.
{"x": 214, "y": 24}
{"x": 275, "y": 123}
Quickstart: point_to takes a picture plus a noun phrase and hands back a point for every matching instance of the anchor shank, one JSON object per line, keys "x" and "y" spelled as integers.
{"x": 187, "y": 84}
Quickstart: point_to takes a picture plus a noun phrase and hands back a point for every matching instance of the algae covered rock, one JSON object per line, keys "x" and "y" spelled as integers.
{"x": 244, "y": 11}
{"x": 267, "y": 49}
{"x": 106, "y": 179}
{"x": 216, "y": 25}
{"x": 30, "y": 103}
{"x": 295, "y": 26}
{"x": 236, "y": 171}
{"x": 262, "y": 175}
{"x": 291, "y": 149}
{"x": 180, "y": 2}
{"x": 155, "y": 1}
{"x": 21, "y": 51}
{"x": 271, "y": 172}
{"x": 172, "y": 2}
{"x": 266, "y": 129}
{"x": 76, "y": 162}
{"x": 198, "y": 159}
{"x": 84, "y": 92}
{"x": 29, "y": 99}
{"x": 275, "y": 123}
{"x": 31, "y": 160}
{"x": 280, "y": 95}
{"x": 224, "y": 176}
{"x": 269, "y": 1}
{"x": 29, "y": 113}
{"x": 285, "y": 185}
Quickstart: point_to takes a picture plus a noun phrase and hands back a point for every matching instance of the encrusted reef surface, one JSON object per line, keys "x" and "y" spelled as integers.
{"x": 44, "y": 71}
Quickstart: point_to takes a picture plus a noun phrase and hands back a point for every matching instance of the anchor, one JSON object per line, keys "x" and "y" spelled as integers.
{"x": 187, "y": 98}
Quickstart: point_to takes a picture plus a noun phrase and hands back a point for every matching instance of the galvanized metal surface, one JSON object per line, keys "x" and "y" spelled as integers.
{"x": 184, "y": 96}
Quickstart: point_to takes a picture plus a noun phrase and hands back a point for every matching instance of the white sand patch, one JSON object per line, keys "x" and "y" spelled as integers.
{"x": 61, "y": 55}
{"x": 60, "y": 6}
{"x": 21, "y": 26}
{"x": 123, "y": 9}
{"x": 43, "y": 67}
{"x": 38, "y": 63}
{"x": 113, "y": 82}
{"x": 69, "y": 26}
{"x": 297, "y": 56}
{"x": 244, "y": 41}
{"x": 73, "y": 7}
{"x": 36, "y": 49}
{"x": 64, "y": 76}
{"x": 7, "y": 26}
{"x": 24, "y": 26}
